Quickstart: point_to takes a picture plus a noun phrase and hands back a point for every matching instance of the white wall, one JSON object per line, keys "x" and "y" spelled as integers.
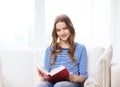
{"x": 116, "y": 31}
{"x": 92, "y": 19}
{"x": 39, "y": 31}
{"x": 101, "y": 22}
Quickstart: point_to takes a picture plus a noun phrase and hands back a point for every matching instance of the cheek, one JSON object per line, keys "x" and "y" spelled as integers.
{"x": 68, "y": 32}
{"x": 58, "y": 33}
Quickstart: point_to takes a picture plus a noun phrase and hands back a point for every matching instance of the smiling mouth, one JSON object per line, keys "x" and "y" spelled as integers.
{"x": 64, "y": 36}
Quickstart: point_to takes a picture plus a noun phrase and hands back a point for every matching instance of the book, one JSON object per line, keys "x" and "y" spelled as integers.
{"x": 55, "y": 75}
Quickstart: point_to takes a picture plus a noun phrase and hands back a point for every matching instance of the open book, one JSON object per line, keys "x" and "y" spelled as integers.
{"x": 57, "y": 74}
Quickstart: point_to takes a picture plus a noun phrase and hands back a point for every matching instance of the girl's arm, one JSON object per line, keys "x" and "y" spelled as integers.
{"x": 82, "y": 67}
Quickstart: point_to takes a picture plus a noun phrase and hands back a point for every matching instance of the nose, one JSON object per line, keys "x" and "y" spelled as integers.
{"x": 62, "y": 32}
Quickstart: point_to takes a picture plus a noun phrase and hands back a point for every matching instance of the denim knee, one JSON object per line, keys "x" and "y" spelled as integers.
{"x": 67, "y": 84}
{"x": 45, "y": 84}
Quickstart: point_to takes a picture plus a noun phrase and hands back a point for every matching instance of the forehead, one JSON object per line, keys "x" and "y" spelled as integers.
{"x": 61, "y": 25}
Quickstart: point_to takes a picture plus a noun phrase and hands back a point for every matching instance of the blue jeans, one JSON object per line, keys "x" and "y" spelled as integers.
{"x": 59, "y": 84}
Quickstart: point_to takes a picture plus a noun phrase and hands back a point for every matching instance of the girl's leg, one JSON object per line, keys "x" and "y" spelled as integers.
{"x": 67, "y": 84}
{"x": 45, "y": 84}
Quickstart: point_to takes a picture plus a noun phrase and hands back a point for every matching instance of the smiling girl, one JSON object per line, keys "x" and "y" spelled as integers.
{"x": 66, "y": 52}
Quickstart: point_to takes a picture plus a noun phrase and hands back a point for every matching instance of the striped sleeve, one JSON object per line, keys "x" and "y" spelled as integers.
{"x": 83, "y": 62}
{"x": 47, "y": 59}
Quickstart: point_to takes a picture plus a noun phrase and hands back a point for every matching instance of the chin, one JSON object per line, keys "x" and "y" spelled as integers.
{"x": 64, "y": 39}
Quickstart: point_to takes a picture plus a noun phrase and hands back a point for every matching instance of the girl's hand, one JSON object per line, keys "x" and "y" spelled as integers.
{"x": 72, "y": 77}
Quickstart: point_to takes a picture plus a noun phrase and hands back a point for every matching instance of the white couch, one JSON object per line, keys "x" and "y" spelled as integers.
{"x": 115, "y": 72}
{"x": 99, "y": 67}
{"x": 18, "y": 67}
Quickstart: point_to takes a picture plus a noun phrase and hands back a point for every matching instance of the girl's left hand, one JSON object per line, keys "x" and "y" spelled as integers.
{"x": 72, "y": 77}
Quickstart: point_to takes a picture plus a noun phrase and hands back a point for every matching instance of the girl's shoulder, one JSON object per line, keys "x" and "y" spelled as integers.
{"x": 79, "y": 45}
{"x": 48, "y": 48}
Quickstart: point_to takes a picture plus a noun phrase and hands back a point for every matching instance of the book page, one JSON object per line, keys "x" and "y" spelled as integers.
{"x": 43, "y": 70}
{"x": 56, "y": 70}
{"x": 57, "y": 74}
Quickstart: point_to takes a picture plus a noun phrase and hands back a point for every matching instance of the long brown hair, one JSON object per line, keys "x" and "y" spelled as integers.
{"x": 56, "y": 49}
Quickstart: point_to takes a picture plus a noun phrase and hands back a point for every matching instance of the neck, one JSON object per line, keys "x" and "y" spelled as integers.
{"x": 64, "y": 44}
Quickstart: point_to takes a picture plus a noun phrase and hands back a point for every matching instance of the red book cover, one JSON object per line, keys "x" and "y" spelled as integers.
{"x": 57, "y": 74}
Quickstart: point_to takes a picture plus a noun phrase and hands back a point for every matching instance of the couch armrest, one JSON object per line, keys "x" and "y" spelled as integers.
{"x": 115, "y": 72}
{"x": 101, "y": 77}
{"x": 103, "y": 68}
{"x": 90, "y": 82}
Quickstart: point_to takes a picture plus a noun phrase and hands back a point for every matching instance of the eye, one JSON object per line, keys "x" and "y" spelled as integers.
{"x": 65, "y": 28}
{"x": 57, "y": 30}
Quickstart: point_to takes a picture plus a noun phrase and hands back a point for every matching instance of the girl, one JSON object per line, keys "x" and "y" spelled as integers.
{"x": 66, "y": 52}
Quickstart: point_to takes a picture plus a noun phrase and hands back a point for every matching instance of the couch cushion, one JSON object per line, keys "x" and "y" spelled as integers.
{"x": 17, "y": 67}
{"x": 1, "y": 76}
{"x": 93, "y": 54}
{"x": 103, "y": 68}
{"x": 38, "y": 61}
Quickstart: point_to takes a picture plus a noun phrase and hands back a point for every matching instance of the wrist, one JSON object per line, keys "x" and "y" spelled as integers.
{"x": 75, "y": 79}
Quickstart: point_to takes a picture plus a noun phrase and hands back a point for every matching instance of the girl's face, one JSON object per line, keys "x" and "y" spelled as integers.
{"x": 62, "y": 31}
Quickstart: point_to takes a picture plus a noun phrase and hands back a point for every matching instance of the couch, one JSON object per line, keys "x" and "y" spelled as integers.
{"x": 99, "y": 67}
{"x": 115, "y": 72}
{"x": 18, "y": 67}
